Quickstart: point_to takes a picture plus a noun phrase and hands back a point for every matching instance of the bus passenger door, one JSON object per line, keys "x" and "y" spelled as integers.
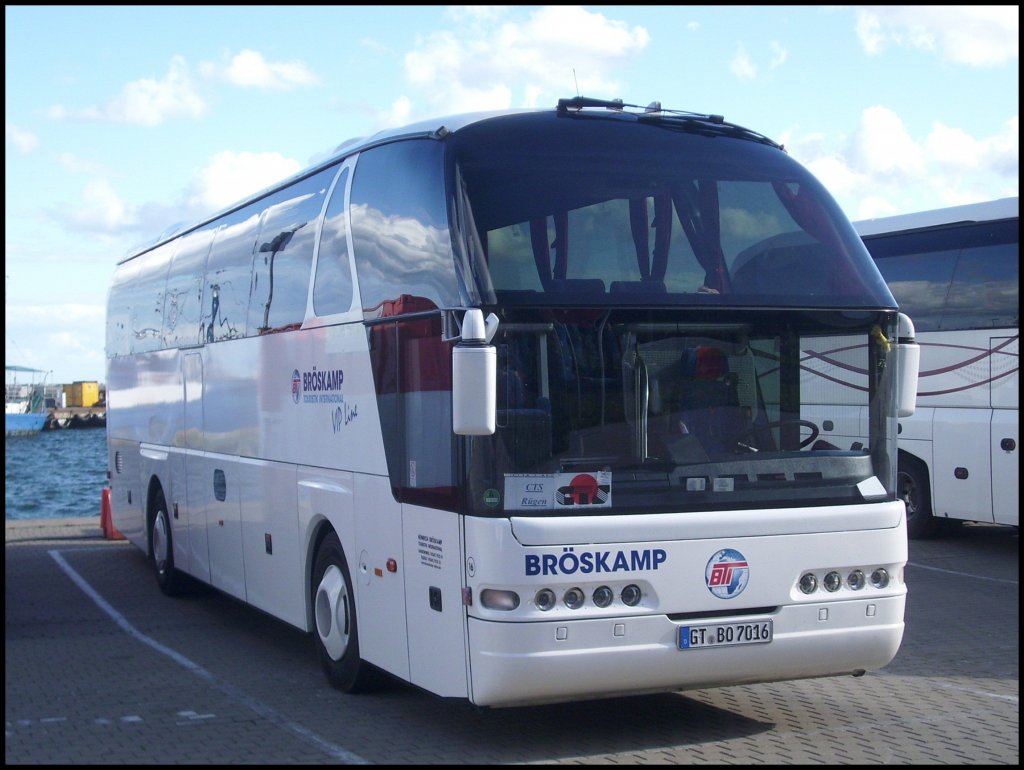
{"x": 1004, "y": 386}
{"x": 378, "y": 571}
{"x": 191, "y": 552}
{"x": 962, "y": 472}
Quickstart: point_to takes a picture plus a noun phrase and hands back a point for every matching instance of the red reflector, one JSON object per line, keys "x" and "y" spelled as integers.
{"x": 392, "y": 565}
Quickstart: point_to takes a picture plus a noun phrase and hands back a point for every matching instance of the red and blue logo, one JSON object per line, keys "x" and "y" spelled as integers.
{"x": 296, "y": 386}
{"x": 727, "y": 573}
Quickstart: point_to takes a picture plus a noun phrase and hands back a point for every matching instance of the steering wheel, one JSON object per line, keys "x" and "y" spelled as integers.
{"x": 755, "y": 429}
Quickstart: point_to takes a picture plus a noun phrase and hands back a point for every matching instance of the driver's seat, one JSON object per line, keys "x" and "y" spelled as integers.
{"x": 704, "y": 400}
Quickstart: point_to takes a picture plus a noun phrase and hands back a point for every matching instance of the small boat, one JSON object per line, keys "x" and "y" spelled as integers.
{"x": 24, "y": 408}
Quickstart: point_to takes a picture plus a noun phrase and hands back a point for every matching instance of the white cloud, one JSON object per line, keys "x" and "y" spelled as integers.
{"x": 741, "y": 65}
{"x": 75, "y": 165}
{"x": 882, "y": 169}
{"x": 145, "y": 102}
{"x": 102, "y": 210}
{"x": 779, "y": 55}
{"x": 956, "y": 152}
{"x": 473, "y": 68}
{"x": 23, "y": 141}
{"x": 227, "y": 178}
{"x": 248, "y": 68}
{"x": 977, "y": 35}
{"x": 231, "y": 176}
{"x": 399, "y": 113}
{"x": 60, "y": 338}
{"x": 882, "y": 145}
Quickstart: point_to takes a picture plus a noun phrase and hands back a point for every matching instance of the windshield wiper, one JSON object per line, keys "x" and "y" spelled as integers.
{"x": 654, "y": 113}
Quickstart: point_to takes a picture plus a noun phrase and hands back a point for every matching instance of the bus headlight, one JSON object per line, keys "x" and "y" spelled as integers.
{"x": 494, "y": 599}
{"x": 545, "y": 599}
{"x": 631, "y": 595}
{"x": 603, "y": 596}
{"x": 809, "y": 583}
{"x": 573, "y": 598}
{"x": 855, "y": 580}
{"x": 832, "y": 581}
{"x": 880, "y": 578}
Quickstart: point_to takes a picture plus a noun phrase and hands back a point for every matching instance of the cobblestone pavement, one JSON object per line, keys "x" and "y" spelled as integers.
{"x": 103, "y": 669}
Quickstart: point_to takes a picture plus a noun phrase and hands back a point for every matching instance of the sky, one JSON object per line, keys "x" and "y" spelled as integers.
{"x": 121, "y": 121}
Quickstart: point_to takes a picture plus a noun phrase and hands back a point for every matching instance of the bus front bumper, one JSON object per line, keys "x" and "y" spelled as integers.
{"x": 544, "y": 662}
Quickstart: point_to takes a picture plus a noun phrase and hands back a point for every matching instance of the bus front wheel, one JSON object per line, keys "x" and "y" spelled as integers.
{"x": 912, "y": 488}
{"x": 336, "y": 633}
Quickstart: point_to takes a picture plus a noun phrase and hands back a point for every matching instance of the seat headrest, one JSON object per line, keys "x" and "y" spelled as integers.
{"x": 705, "y": 362}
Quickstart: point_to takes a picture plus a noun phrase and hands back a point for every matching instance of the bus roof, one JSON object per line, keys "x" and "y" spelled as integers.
{"x": 1003, "y": 208}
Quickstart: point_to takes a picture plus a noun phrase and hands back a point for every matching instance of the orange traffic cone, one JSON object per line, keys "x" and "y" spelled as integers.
{"x": 107, "y": 519}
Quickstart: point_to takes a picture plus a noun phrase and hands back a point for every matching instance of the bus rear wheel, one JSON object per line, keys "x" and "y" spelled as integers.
{"x": 162, "y": 546}
{"x": 336, "y": 633}
{"x": 912, "y": 489}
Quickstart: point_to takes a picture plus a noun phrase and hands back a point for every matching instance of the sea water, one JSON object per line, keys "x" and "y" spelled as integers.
{"x": 55, "y": 474}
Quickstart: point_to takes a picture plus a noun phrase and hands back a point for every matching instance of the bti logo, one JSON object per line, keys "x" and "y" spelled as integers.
{"x": 727, "y": 573}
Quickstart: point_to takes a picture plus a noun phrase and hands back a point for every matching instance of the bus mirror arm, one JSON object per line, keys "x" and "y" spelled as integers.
{"x": 908, "y": 364}
{"x": 474, "y": 376}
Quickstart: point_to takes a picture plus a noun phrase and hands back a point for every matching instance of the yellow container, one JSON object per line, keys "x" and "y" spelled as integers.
{"x": 82, "y": 393}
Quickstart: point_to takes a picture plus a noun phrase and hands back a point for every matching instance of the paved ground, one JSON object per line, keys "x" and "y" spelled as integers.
{"x": 102, "y": 669}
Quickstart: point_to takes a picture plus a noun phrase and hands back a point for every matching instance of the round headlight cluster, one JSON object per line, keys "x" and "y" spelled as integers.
{"x": 833, "y": 580}
{"x": 574, "y": 598}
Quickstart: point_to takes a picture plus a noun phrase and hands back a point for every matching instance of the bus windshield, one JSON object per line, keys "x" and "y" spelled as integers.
{"x": 622, "y": 411}
{"x": 601, "y": 211}
{"x": 678, "y": 318}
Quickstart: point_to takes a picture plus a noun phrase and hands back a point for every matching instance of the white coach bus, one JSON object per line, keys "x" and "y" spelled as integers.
{"x": 508, "y": 406}
{"x": 955, "y": 272}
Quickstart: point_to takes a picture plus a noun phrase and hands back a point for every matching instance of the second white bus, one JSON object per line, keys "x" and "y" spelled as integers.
{"x": 955, "y": 271}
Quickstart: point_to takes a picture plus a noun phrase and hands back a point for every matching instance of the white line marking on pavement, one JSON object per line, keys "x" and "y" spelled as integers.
{"x": 962, "y": 574}
{"x": 232, "y": 692}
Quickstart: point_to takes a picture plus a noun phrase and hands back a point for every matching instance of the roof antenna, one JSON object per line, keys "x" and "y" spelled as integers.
{"x": 576, "y": 82}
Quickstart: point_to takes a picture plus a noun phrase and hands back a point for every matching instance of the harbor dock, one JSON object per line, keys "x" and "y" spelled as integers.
{"x": 59, "y": 418}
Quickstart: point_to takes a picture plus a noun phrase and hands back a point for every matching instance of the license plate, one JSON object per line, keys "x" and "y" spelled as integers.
{"x": 724, "y": 635}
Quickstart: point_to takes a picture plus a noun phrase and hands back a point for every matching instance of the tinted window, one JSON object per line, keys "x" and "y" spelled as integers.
{"x": 332, "y": 287}
{"x": 985, "y": 293}
{"x": 961, "y": 277}
{"x": 284, "y": 254}
{"x": 400, "y": 232}
{"x": 412, "y": 374}
{"x": 183, "y": 303}
{"x": 229, "y": 275}
{"x": 136, "y": 303}
{"x": 119, "y": 310}
{"x": 605, "y": 210}
{"x": 147, "y": 299}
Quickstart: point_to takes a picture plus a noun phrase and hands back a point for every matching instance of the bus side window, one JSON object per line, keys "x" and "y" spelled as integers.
{"x": 332, "y": 286}
{"x": 918, "y": 268}
{"x": 284, "y": 255}
{"x": 147, "y": 299}
{"x": 400, "y": 235}
{"x": 183, "y": 300}
{"x": 226, "y": 299}
{"x": 985, "y": 291}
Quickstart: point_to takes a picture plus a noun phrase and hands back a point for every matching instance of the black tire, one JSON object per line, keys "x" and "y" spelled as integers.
{"x": 912, "y": 489}
{"x": 336, "y": 628}
{"x": 161, "y": 541}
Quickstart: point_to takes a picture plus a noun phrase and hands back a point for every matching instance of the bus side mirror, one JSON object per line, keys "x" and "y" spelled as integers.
{"x": 475, "y": 376}
{"x": 908, "y": 364}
